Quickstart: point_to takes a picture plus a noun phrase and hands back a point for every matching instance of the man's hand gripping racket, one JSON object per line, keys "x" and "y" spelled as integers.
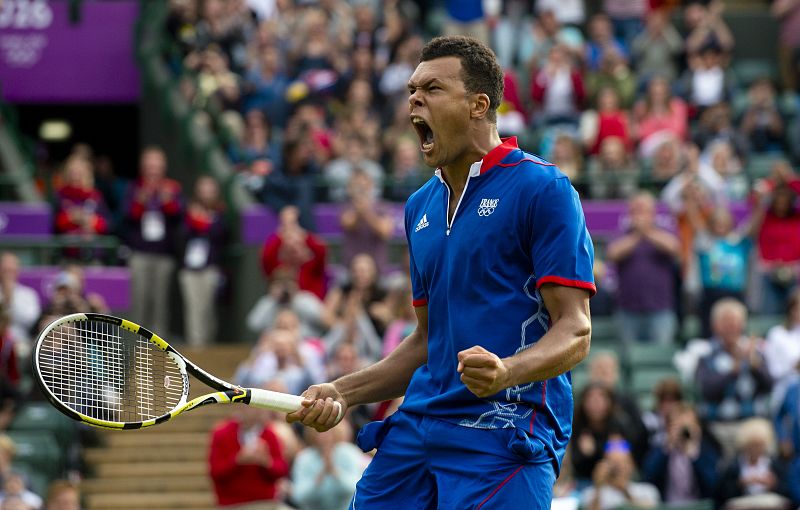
{"x": 112, "y": 373}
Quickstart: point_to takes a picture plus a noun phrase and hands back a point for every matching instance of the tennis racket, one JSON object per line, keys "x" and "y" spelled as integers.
{"x": 112, "y": 373}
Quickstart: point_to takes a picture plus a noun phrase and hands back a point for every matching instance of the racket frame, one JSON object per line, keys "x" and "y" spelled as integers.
{"x": 227, "y": 393}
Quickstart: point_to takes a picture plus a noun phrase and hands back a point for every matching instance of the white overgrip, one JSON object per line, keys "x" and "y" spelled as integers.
{"x": 282, "y": 402}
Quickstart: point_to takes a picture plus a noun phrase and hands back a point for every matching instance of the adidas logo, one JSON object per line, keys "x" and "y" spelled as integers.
{"x": 422, "y": 223}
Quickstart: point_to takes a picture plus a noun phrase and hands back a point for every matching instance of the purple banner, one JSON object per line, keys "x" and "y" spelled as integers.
{"x": 46, "y": 58}
{"x": 606, "y": 219}
{"x": 25, "y": 219}
{"x": 112, "y": 283}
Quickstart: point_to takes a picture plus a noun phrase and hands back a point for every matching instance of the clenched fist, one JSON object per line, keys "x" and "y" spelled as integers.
{"x": 482, "y": 372}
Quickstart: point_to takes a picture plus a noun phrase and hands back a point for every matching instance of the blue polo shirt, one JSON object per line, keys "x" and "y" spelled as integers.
{"x": 519, "y": 224}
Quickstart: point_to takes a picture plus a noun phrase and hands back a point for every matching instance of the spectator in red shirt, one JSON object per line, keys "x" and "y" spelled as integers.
{"x": 80, "y": 208}
{"x": 293, "y": 247}
{"x": 778, "y": 237}
{"x": 246, "y": 461}
{"x": 153, "y": 212}
{"x": 609, "y": 120}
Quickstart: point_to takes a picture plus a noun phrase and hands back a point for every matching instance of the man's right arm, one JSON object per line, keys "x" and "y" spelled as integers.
{"x": 385, "y": 380}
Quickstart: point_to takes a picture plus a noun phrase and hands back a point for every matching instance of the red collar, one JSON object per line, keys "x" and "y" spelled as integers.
{"x": 496, "y": 155}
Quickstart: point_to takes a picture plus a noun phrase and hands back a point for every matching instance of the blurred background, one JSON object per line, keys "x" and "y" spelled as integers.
{"x": 232, "y": 173}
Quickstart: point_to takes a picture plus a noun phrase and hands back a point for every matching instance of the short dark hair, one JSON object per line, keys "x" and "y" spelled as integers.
{"x": 480, "y": 70}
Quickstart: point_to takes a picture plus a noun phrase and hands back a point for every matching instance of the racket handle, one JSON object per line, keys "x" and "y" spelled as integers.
{"x": 282, "y": 402}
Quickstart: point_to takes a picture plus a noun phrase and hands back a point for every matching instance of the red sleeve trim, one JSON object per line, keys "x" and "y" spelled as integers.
{"x": 580, "y": 284}
{"x": 420, "y": 302}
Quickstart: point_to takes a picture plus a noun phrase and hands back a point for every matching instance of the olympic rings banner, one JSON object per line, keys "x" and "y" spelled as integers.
{"x": 46, "y": 57}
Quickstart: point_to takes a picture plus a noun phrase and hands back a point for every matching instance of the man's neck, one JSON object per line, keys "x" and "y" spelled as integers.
{"x": 457, "y": 172}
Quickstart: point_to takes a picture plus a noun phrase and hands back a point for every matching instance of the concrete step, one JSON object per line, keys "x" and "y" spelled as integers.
{"x": 148, "y": 500}
{"x": 146, "y": 484}
{"x": 153, "y": 469}
{"x": 156, "y": 437}
{"x": 96, "y": 456}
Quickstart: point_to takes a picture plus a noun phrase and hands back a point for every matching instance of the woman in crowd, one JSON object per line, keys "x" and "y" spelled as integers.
{"x": 325, "y": 473}
{"x": 753, "y": 478}
{"x": 80, "y": 208}
{"x": 595, "y": 422}
{"x": 659, "y": 115}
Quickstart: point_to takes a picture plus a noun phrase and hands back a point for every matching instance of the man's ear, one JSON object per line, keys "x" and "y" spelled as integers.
{"x": 479, "y": 106}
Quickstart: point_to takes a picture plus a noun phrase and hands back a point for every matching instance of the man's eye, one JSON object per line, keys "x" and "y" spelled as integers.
{"x": 434, "y": 87}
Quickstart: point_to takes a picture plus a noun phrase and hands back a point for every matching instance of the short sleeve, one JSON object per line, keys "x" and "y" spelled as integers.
{"x": 418, "y": 292}
{"x": 561, "y": 248}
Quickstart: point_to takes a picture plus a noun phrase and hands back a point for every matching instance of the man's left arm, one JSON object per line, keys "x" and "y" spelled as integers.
{"x": 559, "y": 350}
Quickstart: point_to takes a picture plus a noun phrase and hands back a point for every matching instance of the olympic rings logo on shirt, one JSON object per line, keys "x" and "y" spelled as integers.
{"x": 487, "y": 206}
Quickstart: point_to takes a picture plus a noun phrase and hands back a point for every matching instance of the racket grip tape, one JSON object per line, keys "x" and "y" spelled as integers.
{"x": 282, "y": 402}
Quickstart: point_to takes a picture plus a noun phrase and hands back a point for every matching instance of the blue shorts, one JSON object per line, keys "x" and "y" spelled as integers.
{"x": 425, "y": 463}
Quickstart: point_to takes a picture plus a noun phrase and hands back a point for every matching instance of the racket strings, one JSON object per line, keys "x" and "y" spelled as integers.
{"x": 108, "y": 373}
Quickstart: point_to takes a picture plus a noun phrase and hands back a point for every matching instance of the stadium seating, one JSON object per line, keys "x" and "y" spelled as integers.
{"x": 39, "y": 451}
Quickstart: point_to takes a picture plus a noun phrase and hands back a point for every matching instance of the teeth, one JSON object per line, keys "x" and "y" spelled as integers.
{"x": 417, "y": 120}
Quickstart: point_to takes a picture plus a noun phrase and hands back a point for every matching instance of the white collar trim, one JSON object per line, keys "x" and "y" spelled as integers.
{"x": 474, "y": 171}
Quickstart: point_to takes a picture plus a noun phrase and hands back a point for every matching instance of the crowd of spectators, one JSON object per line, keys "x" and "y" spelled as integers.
{"x": 634, "y": 100}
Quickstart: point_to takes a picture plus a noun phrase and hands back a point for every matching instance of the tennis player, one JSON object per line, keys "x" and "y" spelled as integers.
{"x": 501, "y": 268}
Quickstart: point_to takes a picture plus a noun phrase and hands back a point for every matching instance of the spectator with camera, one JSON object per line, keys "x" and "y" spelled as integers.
{"x": 684, "y": 467}
{"x": 612, "y": 481}
{"x": 298, "y": 251}
{"x": 366, "y": 221}
{"x": 284, "y": 293}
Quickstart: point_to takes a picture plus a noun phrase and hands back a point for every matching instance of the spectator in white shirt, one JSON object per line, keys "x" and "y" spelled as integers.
{"x": 782, "y": 348}
{"x": 22, "y": 302}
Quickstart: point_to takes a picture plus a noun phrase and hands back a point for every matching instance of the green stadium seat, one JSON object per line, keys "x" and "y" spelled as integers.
{"x": 650, "y": 355}
{"x": 39, "y": 450}
{"x": 748, "y": 70}
{"x": 604, "y": 329}
{"x": 41, "y": 416}
{"x": 642, "y": 381}
{"x": 580, "y": 377}
{"x": 760, "y": 165}
{"x": 759, "y": 325}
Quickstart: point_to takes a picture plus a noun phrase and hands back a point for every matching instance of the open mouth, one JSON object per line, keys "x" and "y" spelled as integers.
{"x": 424, "y": 132}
